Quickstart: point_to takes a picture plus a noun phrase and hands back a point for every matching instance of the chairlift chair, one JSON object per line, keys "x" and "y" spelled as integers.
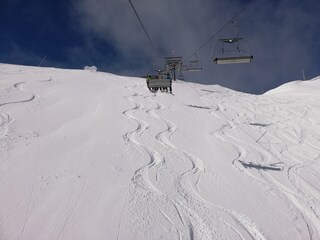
{"x": 194, "y": 65}
{"x": 232, "y": 50}
{"x": 160, "y": 81}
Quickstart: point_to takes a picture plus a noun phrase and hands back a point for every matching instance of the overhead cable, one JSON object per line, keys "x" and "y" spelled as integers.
{"x": 222, "y": 28}
{"x": 141, "y": 23}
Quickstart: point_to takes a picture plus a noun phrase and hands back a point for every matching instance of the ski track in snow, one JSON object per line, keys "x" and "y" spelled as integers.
{"x": 19, "y": 87}
{"x": 197, "y": 226}
{"x": 156, "y": 159}
{"x": 274, "y": 146}
{"x": 140, "y": 176}
{"x": 194, "y": 220}
{"x": 245, "y": 222}
{"x": 194, "y": 212}
{"x": 140, "y": 179}
{"x": 6, "y": 120}
{"x": 299, "y": 198}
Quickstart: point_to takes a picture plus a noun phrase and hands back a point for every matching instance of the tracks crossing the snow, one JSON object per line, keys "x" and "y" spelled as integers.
{"x": 162, "y": 185}
{"x": 297, "y": 194}
{"x": 206, "y": 164}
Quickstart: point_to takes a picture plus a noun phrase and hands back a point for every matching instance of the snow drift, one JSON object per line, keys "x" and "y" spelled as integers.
{"x": 91, "y": 155}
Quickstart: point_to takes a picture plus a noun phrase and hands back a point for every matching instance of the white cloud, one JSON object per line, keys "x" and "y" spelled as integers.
{"x": 280, "y": 33}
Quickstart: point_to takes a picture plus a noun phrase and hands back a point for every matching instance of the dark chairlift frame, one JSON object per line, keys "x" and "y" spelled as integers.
{"x": 194, "y": 65}
{"x": 241, "y": 58}
{"x": 173, "y": 64}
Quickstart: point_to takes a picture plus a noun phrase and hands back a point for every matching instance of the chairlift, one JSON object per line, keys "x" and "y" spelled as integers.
{"x": 194, "y": 65}
{"x": 160, "y": 81}
{"x": 231, "y": 50}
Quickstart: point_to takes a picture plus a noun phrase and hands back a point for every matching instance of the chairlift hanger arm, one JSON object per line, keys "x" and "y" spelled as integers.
{"x": 230, "y": 40}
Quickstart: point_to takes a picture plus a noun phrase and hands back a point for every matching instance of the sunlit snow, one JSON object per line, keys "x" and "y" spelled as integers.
{"x": 91, "y": 155}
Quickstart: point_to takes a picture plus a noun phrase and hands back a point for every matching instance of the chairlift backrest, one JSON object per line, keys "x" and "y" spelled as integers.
{"x": 194, "y": 65}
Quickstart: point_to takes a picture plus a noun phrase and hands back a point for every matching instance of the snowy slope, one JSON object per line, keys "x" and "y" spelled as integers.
{"x": 91, "y": 155}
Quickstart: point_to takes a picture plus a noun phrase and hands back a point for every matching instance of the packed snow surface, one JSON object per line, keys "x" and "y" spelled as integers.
{"x": 91, "y": 155}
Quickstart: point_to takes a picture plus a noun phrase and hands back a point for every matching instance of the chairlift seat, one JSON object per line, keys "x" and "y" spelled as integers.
{"x": 194, "y": 65}
{"x": 232, "y": 60}
{"x": 193, "y": 69}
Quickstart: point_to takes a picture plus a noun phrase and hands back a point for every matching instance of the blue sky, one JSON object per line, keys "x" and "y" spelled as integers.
{"x": 33, "y": 29}
{"x": 283, "y": 37}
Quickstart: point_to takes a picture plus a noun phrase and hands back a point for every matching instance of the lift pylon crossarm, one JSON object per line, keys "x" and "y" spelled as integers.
{"x": 173, "y": 63}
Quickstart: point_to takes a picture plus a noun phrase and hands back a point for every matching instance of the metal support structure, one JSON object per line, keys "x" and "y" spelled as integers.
{"x": 173, "y": 64}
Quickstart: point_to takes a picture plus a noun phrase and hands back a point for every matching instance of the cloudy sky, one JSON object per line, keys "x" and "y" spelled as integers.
{"x": 282, "y": 36}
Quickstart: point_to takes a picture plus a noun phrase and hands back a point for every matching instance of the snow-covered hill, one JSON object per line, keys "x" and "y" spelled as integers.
{"x": 91, "y": 155}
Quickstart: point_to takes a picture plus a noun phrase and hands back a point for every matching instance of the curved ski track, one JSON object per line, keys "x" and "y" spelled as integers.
{"x": 303, "y": 196}
{"x": 185, "y": 227}
{"x": 6, "y": 120}
{"x": 181, "y": 205}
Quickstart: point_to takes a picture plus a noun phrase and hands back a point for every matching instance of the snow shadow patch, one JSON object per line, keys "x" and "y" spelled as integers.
{"x": 271, "y": 167}
{"x": 260, "y": 124}
{"x": 201, "y": 107}
{"x": 210, "y": 91}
